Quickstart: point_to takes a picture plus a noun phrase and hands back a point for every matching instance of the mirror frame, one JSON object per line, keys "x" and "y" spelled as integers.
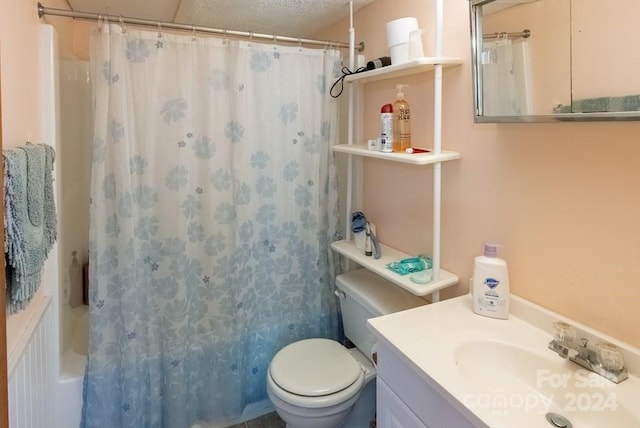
{"x": 475, "y": 15}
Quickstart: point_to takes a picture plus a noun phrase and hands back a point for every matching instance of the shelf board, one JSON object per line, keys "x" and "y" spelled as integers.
{"x": 349, "y": 250}
{"x": 413, "y": 158}
{"x": 415, "y": 66}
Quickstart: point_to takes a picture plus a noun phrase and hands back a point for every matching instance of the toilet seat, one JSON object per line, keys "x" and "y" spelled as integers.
{"x": 315, "y": 373}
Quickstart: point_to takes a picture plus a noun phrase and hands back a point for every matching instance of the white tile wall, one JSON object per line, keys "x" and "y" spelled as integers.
{"x": 32, "y": 377}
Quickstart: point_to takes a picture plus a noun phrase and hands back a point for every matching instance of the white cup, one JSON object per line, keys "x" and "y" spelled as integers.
{"x": 416, "y": 44}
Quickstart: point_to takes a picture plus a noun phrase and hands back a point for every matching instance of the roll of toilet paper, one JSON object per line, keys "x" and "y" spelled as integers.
{"x": 398, "y": 32}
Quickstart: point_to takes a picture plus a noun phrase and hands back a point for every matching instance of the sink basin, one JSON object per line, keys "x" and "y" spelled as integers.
{"x": 516, "y": 383}
{"x": 500, "y": 373}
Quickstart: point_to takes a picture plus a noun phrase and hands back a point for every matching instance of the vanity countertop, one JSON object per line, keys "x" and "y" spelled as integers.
{"x": 500, "y": 373}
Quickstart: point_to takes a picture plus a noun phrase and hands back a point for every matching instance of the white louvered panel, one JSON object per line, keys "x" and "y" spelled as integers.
{"x": 30, "y": 382}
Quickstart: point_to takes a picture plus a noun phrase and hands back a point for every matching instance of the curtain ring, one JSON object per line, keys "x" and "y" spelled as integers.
{"x": 159, "y": 30}
{"x": 224, "y": 35}
{"x": 124, "y": 29}
{"x": 299, "y": 44}
{"x": 193, "y": 33}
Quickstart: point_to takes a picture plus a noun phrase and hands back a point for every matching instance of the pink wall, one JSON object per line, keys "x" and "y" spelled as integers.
{"x": 19, "y": 44}
{"x": 561, "y": 197}
{"x": 21, "y": 121}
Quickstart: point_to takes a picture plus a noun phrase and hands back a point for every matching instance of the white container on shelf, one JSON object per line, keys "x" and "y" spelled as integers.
{"x": 398, "y": 32}
{"x": 430, "y": 152}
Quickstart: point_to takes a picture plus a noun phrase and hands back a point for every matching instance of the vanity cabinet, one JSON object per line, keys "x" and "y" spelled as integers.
{"x": 405, "y": 400}
{"x": 434, "y": 158}
{"x": 391, "y": 411}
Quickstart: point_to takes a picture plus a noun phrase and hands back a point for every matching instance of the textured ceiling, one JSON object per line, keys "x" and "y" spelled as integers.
{"x": 295, "y": 18}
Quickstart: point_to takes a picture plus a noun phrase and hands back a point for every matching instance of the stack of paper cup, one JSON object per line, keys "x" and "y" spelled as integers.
{"x": 398, "y": 38}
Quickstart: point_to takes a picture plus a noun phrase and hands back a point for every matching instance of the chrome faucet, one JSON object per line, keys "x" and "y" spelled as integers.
{"x": 605, "y": 360}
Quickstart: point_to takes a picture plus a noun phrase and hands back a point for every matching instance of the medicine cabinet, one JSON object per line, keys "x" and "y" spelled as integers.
{"x": 548, "y": 60}
{"x": 434, "y": 157}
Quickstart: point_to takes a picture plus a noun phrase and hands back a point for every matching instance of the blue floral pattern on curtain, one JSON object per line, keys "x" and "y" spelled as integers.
{"x": 214, "y": 201}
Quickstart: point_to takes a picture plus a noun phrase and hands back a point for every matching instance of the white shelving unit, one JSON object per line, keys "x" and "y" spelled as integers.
{"x": 419, "y": 65}
{"x": 413, "y": 158}
{"x": 378, "y": 266}
{"x": 434, "y": 157}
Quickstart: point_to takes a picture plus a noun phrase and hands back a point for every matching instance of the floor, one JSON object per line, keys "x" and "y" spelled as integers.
{"x": 271, "y": 420}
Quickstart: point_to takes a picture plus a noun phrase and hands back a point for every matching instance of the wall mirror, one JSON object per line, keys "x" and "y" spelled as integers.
{"x": 549, "y": 60}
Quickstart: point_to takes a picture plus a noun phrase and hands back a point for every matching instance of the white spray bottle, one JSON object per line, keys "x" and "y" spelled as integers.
{"x": 491, "y": 284}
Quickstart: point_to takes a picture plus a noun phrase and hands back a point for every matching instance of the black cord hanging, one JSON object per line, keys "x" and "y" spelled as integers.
{"x": 345, "y": 72}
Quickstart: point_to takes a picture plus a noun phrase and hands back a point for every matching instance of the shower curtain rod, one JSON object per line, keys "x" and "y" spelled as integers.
{"x": 42, "y": 10}
{"x": 524, "y": 34}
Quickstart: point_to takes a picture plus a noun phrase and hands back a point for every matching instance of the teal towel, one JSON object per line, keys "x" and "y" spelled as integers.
{"x": 29, "y": 219}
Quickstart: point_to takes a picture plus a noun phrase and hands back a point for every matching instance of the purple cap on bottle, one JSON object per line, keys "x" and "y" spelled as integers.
{"x": 491, "y": 249}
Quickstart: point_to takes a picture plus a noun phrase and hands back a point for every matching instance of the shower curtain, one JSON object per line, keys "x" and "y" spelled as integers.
{"x": 213, "y": 203}
{"x": 504, "y": 78}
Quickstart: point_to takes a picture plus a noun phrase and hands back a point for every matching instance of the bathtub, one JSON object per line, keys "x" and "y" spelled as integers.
{"x": 73, "y": 163}
{"x": 73, "y": 363}
{"x": 47, "y": 342}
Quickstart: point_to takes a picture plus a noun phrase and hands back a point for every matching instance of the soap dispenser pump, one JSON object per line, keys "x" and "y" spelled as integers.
{"x": 402, "y": 121}
{"x": 491, "y": 284}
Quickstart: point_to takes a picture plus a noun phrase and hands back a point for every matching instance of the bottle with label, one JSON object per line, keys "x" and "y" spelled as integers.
{"x": 401, "y": 122}
{"x": 490, "y": 290}
{"x": 368, "y": 251}
{"x": 386, "y": 128}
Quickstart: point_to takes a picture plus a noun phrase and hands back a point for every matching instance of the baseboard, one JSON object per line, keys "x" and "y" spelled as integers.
{"x": 255, "y": 410}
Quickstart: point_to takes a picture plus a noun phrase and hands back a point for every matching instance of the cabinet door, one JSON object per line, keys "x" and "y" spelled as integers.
{"x": 392, "y": 412}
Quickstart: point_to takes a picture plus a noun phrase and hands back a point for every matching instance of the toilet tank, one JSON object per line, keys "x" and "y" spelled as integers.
{"x": 367, "y": 295}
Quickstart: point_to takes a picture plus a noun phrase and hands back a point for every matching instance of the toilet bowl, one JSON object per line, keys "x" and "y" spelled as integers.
{"x": 318, "y": 383}
{"x": 315, "y": 383}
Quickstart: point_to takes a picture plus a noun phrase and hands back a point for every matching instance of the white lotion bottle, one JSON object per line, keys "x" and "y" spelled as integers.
{"x": 490, "y": 290}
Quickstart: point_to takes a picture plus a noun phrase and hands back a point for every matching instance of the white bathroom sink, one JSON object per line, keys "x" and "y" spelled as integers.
{"x": 500, "y": 373}
{"x": 516, "y": 382}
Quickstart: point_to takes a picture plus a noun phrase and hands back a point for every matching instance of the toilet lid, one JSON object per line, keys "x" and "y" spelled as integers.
{"x": 314, "y": 367}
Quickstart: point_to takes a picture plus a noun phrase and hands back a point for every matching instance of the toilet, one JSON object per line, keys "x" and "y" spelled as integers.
{"x": 318, "y": 383}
